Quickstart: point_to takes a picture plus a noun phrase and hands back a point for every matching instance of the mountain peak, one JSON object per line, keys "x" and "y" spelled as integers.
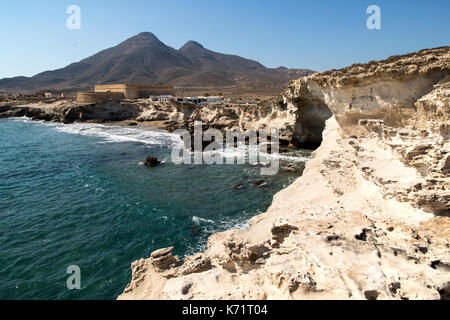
{"x": 147, "y": 35}
{"x": 191, "y": 44}
{"x": 143, "y": 58}
{"x": 142, "y": 39}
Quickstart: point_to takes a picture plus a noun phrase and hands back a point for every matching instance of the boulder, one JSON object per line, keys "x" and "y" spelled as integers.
{"x": 258, "y": 183}
{"x": 151, "y": 162}
{"x": 163, "y": 258}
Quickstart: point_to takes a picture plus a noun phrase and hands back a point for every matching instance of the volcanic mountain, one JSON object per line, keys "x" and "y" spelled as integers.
{"x": 145, "y": 59}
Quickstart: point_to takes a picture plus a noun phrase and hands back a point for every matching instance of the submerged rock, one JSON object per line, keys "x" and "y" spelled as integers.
{"x": 289, "y": 170}
{"x": 258, "y": 183}
{"x": 151, "y": 162}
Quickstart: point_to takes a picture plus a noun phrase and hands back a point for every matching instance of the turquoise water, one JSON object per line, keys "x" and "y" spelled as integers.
{"x": 79, "y": 195}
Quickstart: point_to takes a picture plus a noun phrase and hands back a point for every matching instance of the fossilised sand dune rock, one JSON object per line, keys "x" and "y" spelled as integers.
{"x": 436, "y": 106}
{"x": 336, "y": 233}
{"x": 369, "y": 218}
{"x": 267, "y": 116}
{"x": 390, "y": 90}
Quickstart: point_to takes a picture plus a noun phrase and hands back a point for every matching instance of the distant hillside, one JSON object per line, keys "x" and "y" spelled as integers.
{"x": 145, "y": 59}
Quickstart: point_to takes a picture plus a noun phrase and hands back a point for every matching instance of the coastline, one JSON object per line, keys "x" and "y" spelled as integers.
{"x": 368, "y": 219}
{"x": 105, "y": 208}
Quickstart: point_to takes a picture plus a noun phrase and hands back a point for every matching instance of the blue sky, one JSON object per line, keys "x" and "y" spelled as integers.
{"x": 320, "y": 34}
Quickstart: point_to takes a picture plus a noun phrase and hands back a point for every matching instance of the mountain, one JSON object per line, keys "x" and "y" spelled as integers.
{"x": 145, "y": 59}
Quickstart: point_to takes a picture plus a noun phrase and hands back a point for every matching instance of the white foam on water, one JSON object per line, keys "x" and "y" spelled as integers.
{"x": 25, "y": 120}
{"x": 109, "y": 133}
{"x": 213, "y": 227}
{"x": 233, "y": 152}
{"x": 197, "y": 220}
{"x": 294, "y": 158}
{"x": 235, "y": 224}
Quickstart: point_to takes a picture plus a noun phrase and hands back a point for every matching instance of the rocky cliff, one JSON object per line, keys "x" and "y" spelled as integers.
{"x": 68, "y": 111}
{"x": 268, "y": 115}
{"x": 369, "y": 218}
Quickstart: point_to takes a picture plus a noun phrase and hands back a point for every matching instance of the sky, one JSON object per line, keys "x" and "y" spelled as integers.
{"x": 318, "y": 35}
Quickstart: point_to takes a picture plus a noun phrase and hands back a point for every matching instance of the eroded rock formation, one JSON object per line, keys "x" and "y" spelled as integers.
{"x": 69, "y": 111}
{"x": 369, "y": 218}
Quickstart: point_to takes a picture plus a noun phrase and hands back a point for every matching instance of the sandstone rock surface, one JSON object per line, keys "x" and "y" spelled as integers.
{"x": 369, "y": 218}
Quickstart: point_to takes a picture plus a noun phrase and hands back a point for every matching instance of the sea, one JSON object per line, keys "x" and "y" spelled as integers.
{"x": 79, "y": 195}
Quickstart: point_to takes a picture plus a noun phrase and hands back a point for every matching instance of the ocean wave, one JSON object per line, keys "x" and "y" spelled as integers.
{"x": 239, "y": 151}
{"x": 197, "y": 220}
{"x": 25, "y": 120}
{"x": 110, "y": 133}
{"x": 209, "y": 227}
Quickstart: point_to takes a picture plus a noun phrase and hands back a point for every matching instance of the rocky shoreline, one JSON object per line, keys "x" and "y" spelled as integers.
{"x": 267, "y": 115}
{"x": 369, "y": 218}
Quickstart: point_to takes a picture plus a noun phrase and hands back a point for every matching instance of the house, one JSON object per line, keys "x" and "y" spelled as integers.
{"x": 120, "y": 91}
{"x": 178, "y": 99}
{"x": 164, "y": 99}
{"x": 208, "y": 100}
{"x": 192, "y": 100}
{"x": 214, "y": 99}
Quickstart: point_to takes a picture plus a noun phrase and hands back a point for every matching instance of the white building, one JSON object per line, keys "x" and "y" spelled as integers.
{"x": 207, "y": 100}
{"x": 179, "y": 99}
{"x": 163, "y": 99}
{"x": 195, "y": 100}
{"x": 214, "y": 99}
